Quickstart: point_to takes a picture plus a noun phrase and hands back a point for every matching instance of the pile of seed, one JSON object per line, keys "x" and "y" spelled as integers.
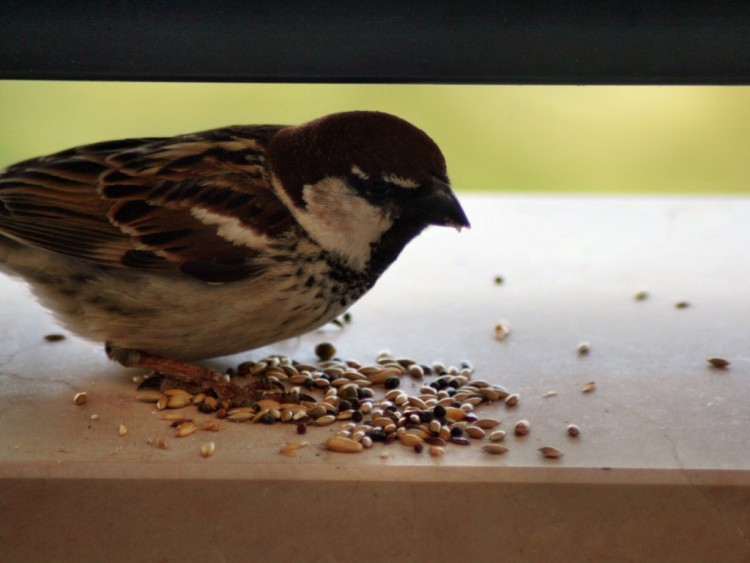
{"x": 367, "y": 400}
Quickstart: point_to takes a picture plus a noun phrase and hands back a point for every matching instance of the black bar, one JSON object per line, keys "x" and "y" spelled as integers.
{"x": 388, "y": 42}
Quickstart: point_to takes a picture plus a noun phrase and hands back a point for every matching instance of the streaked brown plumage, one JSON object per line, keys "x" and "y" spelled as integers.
{"x": 218, "y": 242}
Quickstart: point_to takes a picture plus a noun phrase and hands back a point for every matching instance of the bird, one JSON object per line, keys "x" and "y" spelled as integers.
{"x": 172, "y": 250}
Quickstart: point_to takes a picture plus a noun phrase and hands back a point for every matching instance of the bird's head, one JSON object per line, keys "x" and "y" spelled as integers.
{"x": 363, "y": 184}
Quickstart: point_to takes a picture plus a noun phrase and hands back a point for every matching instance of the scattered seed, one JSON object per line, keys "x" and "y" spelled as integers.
{"x": 497, "y": 436}
{"x": 487, "y": 423}
{"x": 682, "y": 304}
{"x": 475, "y": 432}
{"x": 325, "y": 351}
{"x": 80, "y": 398}
{"x": 185, "y": 429}
{"x": 550, "y": 393}
{"x": 550, "y": 452}
{"x": 588, "y": 387}
{"x": 122, "y": 430}
{"x": 512, "y": 399}
{"x": 291, "y": 448}
{"x": 210, "y": 426}
{"x": 436, "y": 451}
{"x": 325, "y": 420}
{"x": 498, "y": 280}
{"x": 641, "y": 296}
{"x": 719, "y": 363}
{"x": 495, "y": 449}
{"x": 160, "y": 444}
{"x": 522, "y": 428}
{"x": 94, "y": 416}
{"x": 502, "y": 330}
{"x": 208, "y": 449}
{"x": 54, "y": 337}
{"x": 583, "y": 348}
{"x": 343, "y": 445}
{"x": 573, "y": 430}
{"x": 149, "y": 396}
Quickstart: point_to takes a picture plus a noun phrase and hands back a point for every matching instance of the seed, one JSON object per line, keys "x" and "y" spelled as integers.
{"x": 512, "y": 400}
{"x": 149, "y": 396}
{"x": 343, "y": 445}
{"x": 268, "y": 404}
{"x": 391, "y": 382}
{"x": 641, "y": 296}
{"x": 453, "y": 413}
{"x": 186, "y": 429}
{"x": 54, "y": 337}
{"x": 410, "y": 440}
{"x": 416, "y": 371}
{"x": 208, "y": 449}
{"x": 573, "y": 430}
{"x": 550, "y": 452}
{"x": 174, "y": 392}
{"x": 240, "y": 416}
{"x": 682, "y": 304}
{"x": 418, "y": 448}
{"x": 459, "y": 441}
{"x": 160, "y": 443}
{"x": 80, "y": 398}
{"x": 94, "y": 416}
{"x": 498, "y": 280}
{"x": 366, "y": 442}
{"x": 123, "y": 430}
{"x": 291, "y": 448}
{"x": 550, "y": 393}
{"x": 474, "y": 432}
{"x": 494, "y": 449}
{"x": 583, "y": 348}
{"x": 436, "y": 451}
{"x": 487, "y": 423}
{"x": 522, "y": 428}
{"x": 178, "y": 401}
{"x": 502, "y": 330}
{"x": 434, "y": 426}
{"x": 588, "y": 387}
{"x": 325, "y": 351}
{"x": 325, "y": 420}
{"x": 720, "y": 363}
{"x": 497, "y": 436}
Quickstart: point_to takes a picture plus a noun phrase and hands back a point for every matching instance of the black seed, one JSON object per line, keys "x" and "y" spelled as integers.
{"x": 301, "y": 428}
{"x": 325, "y": 351}
{"x": 267, "y": 418}
{"x": 392, "y": 382}
{"x": 377, "y": 436}
{"x": 206, "y": 408}
{"x": 357, "y": 416}
{"x": 54, "y": 337}
{"x": 344, "y": 406}
{"x": 418, "y": 448}
{"x": 439, "y": 411}
{"x": 426, "y": 417}
{"x": 454, "y": 383}
{"x": 456, "y": 432}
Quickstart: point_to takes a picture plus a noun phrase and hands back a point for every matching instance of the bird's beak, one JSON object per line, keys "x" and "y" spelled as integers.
{"x": 440, "y": 207}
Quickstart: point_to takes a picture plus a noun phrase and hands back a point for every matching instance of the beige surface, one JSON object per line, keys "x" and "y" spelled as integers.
{"x": 660, "y": 472}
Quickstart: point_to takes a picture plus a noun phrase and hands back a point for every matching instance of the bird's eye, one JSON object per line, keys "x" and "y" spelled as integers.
{"x": 378, "y": 189}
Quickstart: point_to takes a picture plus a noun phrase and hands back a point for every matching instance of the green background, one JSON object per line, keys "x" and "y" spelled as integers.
{"x": 608, "y": 139}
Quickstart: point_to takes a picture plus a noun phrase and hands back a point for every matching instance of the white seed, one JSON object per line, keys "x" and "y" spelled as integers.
{"x": 522, "y": 428}
{"x": 583, "y": 348}
{"x": 550, "y": 452}
{"x": 343, "y": 445}
{"x": 208, "y": 449}
{"x": 123, "y": 430}
{"x": 325, "y": 420}
{"x": 80, "y": 398}
{"x": 495, "y": 449}
{"x": 550, "y": 393}
{"x": 502, "y": 330}
{"x": 497, "y": 436}
{"x": 512, "y": 400}
{"x": 367, "y": 442}
{"x": 573, "y": 430}
{"x": 434, "y": 426}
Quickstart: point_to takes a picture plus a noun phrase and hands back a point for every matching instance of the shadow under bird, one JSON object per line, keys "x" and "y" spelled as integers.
{"x": 177, "y": 249}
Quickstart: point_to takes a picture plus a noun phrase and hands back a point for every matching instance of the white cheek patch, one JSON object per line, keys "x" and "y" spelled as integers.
{"x": 339, "y": 220}
{"x": 231, "y": 229}
{"x": 359, "y": 173}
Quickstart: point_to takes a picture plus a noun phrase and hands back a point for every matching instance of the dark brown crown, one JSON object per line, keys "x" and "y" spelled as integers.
{"x": 378, "y": 143}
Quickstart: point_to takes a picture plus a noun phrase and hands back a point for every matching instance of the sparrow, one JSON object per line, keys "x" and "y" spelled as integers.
{"x": 172, "y": 250}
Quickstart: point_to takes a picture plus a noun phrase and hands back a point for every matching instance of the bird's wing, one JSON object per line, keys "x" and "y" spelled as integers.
{"x": 200, "y": 203}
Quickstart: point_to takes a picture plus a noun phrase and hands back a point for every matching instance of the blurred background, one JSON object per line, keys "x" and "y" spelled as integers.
{"x": 593, "y": 139}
